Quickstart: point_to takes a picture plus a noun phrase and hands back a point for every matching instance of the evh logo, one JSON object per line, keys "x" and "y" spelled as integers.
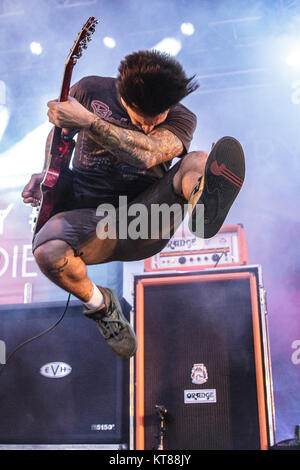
{"x": 55, "y": 370}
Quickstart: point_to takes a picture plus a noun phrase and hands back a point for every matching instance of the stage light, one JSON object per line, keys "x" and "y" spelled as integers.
{"x": 109, "y": 42}
{"x": 187, "y": 28}
{"x": 36, "y": 48}
{"x": 293, "y": 59}
{"x": 170, "y": 46}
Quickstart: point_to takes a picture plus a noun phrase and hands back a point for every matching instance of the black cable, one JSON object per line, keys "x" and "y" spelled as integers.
{"x": 37, "y": 336}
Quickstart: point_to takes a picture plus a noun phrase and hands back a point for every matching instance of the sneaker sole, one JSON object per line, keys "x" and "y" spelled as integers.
{"x": 223, "y": 179}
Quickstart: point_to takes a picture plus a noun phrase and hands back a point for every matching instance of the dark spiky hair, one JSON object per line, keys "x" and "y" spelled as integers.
{"x": 151, "y": 82}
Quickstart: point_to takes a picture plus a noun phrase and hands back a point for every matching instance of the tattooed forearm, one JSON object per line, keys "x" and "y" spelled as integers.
{"x": 136, "y": 148}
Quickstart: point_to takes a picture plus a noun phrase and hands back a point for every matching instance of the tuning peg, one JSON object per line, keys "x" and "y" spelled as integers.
{"x": 83, "y": 44}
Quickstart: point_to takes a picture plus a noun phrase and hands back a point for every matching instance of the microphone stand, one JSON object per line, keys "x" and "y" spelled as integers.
{"x": 162, "y": 411}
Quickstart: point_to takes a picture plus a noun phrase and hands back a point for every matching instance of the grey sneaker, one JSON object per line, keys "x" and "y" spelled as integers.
{"x": 114, "y": 327}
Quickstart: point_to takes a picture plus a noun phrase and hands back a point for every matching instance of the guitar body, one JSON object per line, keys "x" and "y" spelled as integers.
{"x": 61, "y": 148}
{"x": 50, "y": 186}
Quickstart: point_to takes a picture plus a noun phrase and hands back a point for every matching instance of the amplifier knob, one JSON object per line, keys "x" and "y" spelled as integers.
{"x": 182, "y": 260}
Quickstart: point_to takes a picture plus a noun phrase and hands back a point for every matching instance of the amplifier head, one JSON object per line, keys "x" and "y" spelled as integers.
{"x": 186, "y": 252}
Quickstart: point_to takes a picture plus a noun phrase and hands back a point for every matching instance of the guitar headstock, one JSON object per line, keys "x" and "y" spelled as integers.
{"x": 82, "y": 40}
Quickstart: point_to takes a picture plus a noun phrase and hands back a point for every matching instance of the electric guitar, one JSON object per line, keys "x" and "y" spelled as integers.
{"x": 61, "y": 148}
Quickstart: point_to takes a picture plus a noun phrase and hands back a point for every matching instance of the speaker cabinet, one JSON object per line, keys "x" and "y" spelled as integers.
{"x": 204, "y": 356}
{"x": 66, "y": 387}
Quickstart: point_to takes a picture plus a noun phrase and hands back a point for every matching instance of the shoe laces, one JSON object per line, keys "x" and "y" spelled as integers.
{"x": 110, "y": 327}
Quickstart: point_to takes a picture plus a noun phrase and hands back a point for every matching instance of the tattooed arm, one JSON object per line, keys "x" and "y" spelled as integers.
{"x": 133, "y": 147}
{"x": 136, "y": 148}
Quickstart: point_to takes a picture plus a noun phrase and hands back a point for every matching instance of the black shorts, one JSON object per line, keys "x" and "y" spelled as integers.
{"x": 78, "y": 227}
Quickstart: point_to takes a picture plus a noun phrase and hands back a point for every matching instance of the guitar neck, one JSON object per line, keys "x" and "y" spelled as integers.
{"x": 66, "y": 82}
{"x": 57, "y": 145}
{"x": 65, "y": 88}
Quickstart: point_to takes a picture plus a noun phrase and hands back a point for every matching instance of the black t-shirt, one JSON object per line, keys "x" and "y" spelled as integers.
{"x": 98, "y": 176}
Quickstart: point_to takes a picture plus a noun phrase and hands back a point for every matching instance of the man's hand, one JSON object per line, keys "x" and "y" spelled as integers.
{"x": 31, "y": 193}
{"x": 69, "y": 114}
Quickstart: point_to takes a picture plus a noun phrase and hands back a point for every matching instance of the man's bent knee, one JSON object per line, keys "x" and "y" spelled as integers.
{"x": 51, "y": 252}
{"x": 192, "y": 163}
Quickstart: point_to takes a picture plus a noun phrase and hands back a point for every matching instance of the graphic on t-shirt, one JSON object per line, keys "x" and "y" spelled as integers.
{"x": 101, "y": 109}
